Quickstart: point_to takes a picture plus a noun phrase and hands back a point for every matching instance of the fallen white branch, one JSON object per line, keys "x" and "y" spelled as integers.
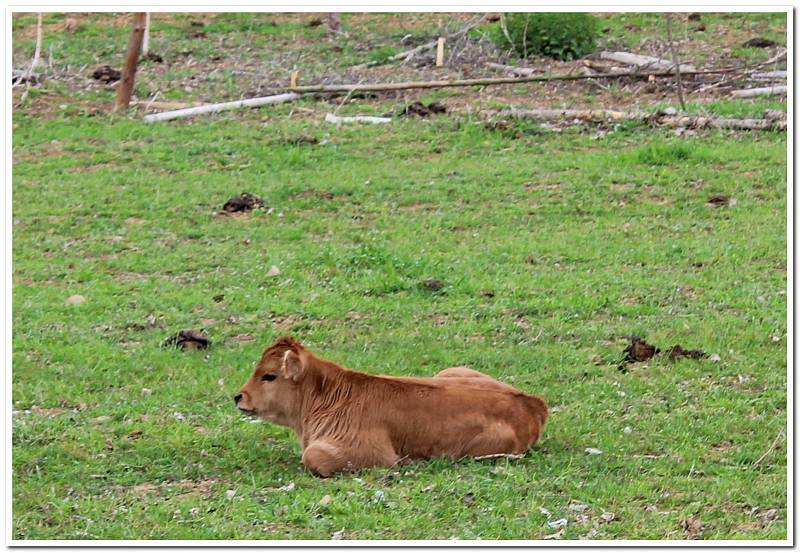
{"x": 766, "y": 91}
{"x": 331, "y": 118}
{"x": 607, "y": 115}
{"x": 644, "y": 62}
{"x": 769, "y": 75}
{"x": 215, "y": 108}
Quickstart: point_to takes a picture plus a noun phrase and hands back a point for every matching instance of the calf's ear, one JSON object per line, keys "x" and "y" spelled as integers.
{"x": 293, "y": 365}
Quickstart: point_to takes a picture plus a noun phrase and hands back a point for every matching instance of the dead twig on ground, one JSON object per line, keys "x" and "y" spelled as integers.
{"x": 675, "y": 62}
{"x": 378, "y": 87}
{"x": 771, "y": 448}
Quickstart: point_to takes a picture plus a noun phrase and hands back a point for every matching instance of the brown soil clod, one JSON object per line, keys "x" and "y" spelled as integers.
{"x": 721, "y": 201}
{"x": 433, "y": 284}
{"x": 243, "y": 202}
{"x": 188, "y": 339}
{"x": 19, "y": 76}
{"x": 677, "y": 351}
{"x": 418, "y": 109}
{"x": 155, "y": 58}
{"x": 106, "y": 74}
{"x": 486, "y": 293}
{"x": 639, "y": 350}
{"x": 759, "y": 42}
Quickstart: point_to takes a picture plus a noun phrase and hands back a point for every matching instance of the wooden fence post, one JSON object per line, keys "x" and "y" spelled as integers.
{"x": 125, "y": 86}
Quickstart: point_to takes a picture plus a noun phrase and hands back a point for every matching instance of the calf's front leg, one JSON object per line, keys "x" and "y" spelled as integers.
{"x": 323, "y": 457}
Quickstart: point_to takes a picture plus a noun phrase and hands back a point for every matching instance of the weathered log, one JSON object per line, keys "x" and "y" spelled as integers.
{"x": 214, "y": 108}
{"x": 607, "y": 115}
{"x": 645, "y": 62}
{"x": 524, "y": 71}
{"x": 765, "y": 91}
{"x": 769, "y": 75}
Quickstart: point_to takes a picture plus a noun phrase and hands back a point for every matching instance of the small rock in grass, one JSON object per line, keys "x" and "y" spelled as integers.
{"x": 715, "y": 357}
{"x": 325, "y": 501}
{"x": 230, "y": 494}
{"x": 77, "y": 299}
{"x": 273, "y": 271}
{"x": 627, "y": 430}
{"x": 560, "y": 523}
{"x": 379, "y": 496}
{"x": 555, "y": 536}
{"x": 577, "y": 507}
{"x": 607, "y": 517}
{"x": 338, "y": 535}
{"x": 593, "y": 451}
{"x": 288, "y": 487}
{"x": 147, "y": 392}
{"x": 768, "y": 516}
{"x": 469, "y": 499}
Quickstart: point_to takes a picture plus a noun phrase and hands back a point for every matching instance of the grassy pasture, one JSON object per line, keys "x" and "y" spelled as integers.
{"x": 553, "y": 248}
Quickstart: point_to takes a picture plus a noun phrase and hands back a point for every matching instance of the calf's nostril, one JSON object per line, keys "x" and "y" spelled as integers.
{"x": 236, "y": 398}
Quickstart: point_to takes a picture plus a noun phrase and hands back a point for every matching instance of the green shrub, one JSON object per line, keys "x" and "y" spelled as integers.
{"x": 381, "y": 55}
{"x": 562, "y": 36}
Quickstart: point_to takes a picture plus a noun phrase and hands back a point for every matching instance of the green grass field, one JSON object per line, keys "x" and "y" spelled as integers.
{"x": 553, "y": 249}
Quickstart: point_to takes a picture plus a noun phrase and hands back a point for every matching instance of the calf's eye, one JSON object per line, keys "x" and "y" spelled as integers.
{"x": 269, "y": 377}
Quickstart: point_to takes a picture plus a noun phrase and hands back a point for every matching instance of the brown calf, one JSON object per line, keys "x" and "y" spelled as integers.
{"x": 348, "y": 420}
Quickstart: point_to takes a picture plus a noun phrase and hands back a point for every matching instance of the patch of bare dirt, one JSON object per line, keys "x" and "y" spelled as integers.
{"x": 182, "y": 487}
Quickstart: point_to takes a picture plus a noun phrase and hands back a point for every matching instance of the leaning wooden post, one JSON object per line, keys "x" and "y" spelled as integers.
{"x": 440, "y": 52}
{"x": 125, "y": 86}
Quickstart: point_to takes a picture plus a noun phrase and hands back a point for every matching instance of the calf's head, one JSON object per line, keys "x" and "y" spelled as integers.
{"x": 273, "y": 391}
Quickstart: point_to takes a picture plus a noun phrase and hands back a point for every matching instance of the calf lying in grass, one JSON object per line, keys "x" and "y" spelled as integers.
{"x": 349, "y": 420}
